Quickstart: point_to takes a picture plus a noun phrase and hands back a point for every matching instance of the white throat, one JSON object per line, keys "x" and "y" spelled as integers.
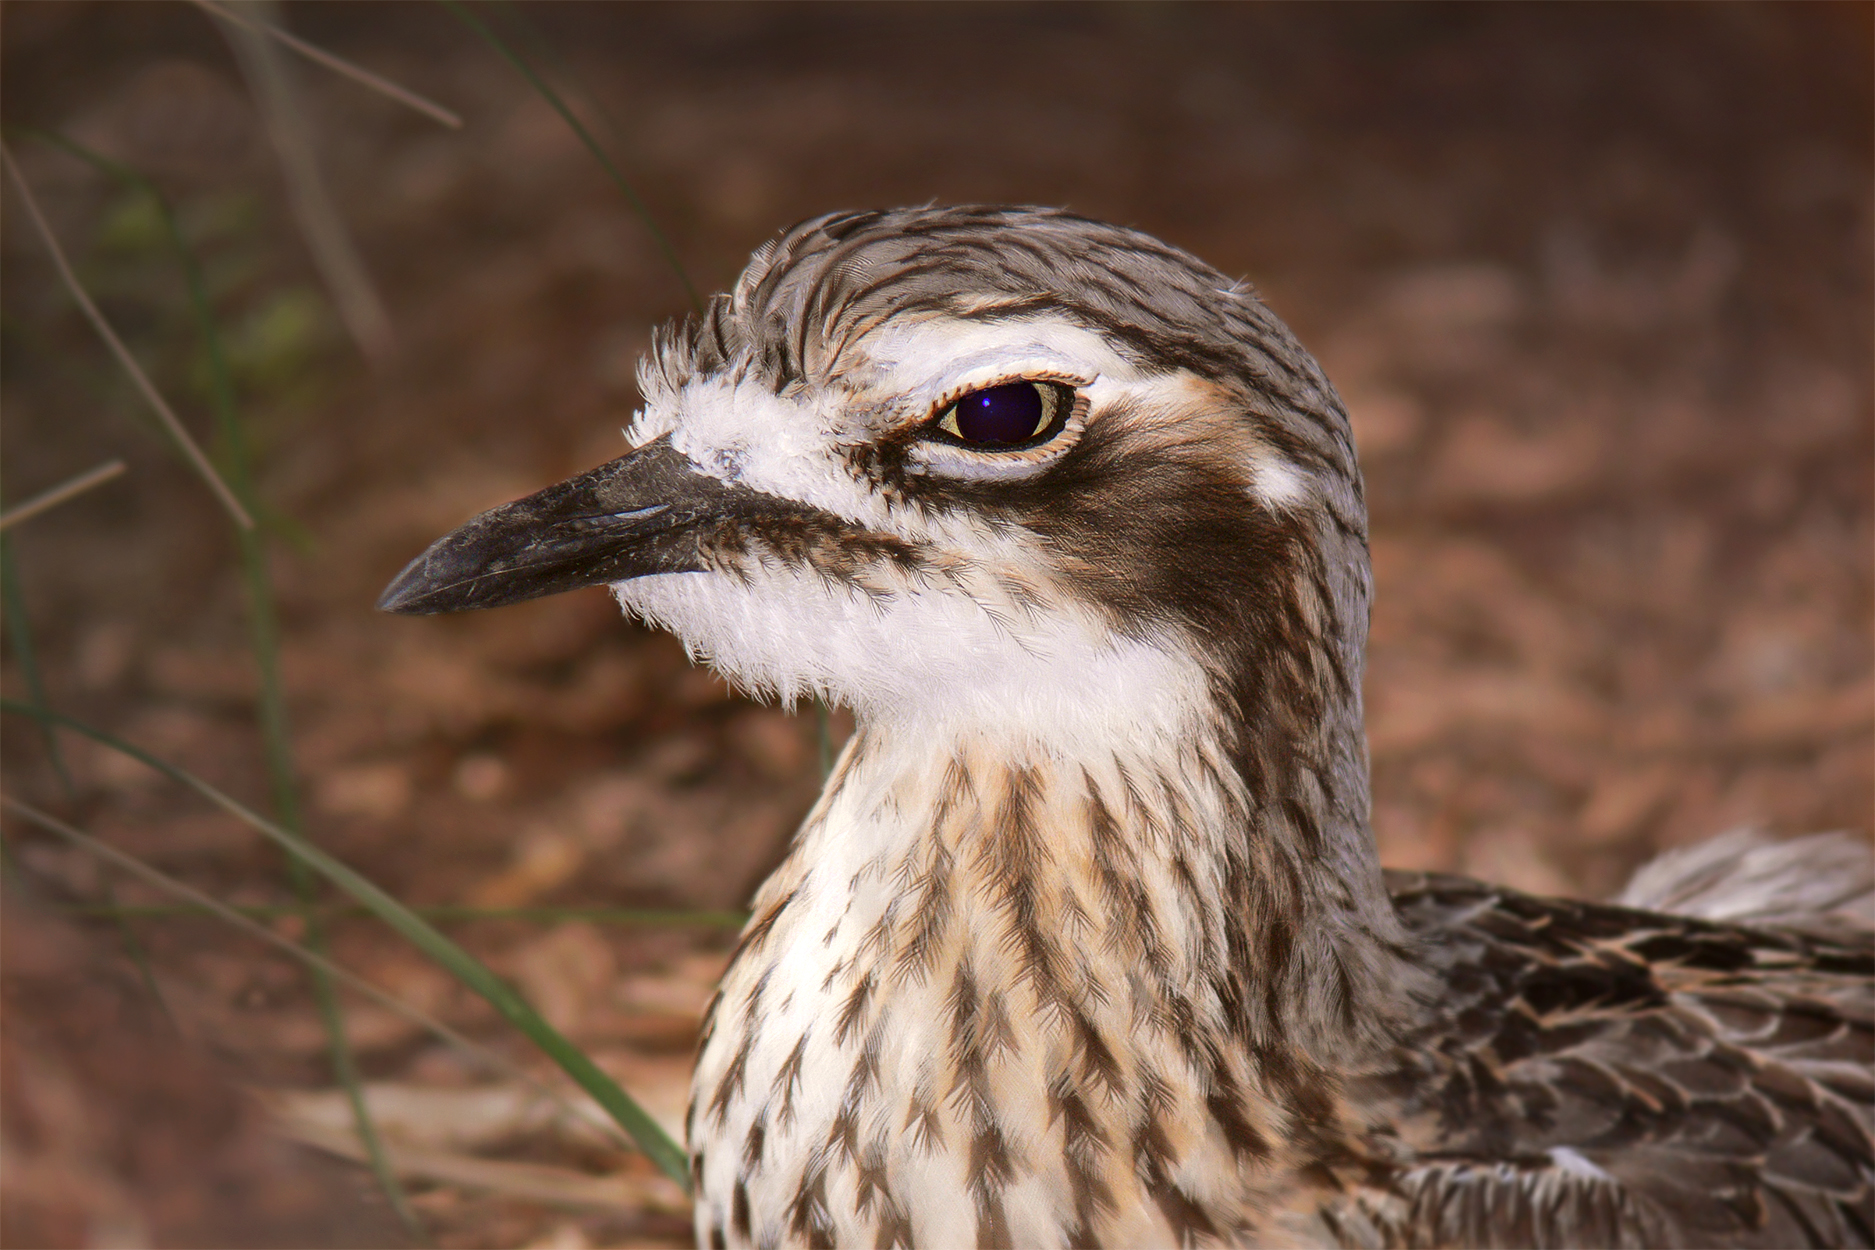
{"x": 1011, "y": 665}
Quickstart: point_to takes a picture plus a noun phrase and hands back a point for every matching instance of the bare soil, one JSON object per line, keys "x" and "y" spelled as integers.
{"x": 1594, "y": 281}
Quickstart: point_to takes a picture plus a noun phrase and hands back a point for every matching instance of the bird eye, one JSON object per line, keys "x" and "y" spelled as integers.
{"x": 1006, "y": 416}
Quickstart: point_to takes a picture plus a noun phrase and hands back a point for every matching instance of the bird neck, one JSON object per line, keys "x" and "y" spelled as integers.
{"x": 1184, "y": 852}
{"x": 984, "y": 963}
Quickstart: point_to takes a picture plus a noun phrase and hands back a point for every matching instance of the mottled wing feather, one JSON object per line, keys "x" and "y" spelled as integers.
{"x": 1603, "y": 1076}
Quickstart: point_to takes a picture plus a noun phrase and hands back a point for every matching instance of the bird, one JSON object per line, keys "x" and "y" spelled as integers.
{"x": 1086, "y": 941}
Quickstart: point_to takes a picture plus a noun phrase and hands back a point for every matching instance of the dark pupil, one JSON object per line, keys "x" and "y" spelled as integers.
{"x": 1002, "y": 414}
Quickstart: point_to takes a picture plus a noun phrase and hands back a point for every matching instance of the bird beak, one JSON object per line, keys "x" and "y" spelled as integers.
{"x": 642, "y": 513}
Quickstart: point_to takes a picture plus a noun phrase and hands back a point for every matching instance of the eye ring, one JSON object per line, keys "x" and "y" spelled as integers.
{"x": 1009, "y": 416}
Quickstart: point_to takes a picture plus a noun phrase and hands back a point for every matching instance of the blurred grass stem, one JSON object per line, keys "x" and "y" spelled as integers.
{"x": 19, "y": 629}
{"x": 70, "y": 489}
{"x": 243, "y": 520}
{"x": 334, "y": 254}
{"x": 552, "y": 97}
{"x": 20, "y": 634}
{"x": 642, "y": 1128}
{"x": 201, "y": 903}
{"x": 445, "y": 914}
{"x": 823, "y": 736}
{"x": 264, "y": 641}
{"x": 337, "y": 64}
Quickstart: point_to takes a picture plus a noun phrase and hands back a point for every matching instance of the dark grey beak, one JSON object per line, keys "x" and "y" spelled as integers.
{"x": 642, "y": 513}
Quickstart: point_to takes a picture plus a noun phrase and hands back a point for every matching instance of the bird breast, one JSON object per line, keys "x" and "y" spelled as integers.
{"x": 1005, "y": 979}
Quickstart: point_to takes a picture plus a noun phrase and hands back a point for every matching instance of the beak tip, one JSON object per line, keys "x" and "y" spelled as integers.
{"x": 617, "y": 521}
{"x": 417, "y": 590}
{"x": 402, "y": 597}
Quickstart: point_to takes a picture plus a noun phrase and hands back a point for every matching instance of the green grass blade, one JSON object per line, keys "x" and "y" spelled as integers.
{"x": 20, "y": 631}
{"x": 637, "y": 1123}
{"x": 547, "y": 93}
{"x": 562, "y": 71}
{"x": 264, "y": 642}
{"x": 179, "y": 433}
{"x": 264, "y": 629}
{"x": 241, "y": 918}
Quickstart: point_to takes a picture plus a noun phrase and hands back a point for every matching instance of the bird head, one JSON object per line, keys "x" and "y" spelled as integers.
{"x": 994, "y": 466}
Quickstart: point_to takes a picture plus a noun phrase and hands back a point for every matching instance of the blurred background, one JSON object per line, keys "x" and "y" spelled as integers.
{"x": 1594, "y": 281}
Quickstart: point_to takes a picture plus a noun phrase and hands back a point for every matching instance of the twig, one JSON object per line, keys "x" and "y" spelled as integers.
{"x": 164, "y": 412}
{"x": 338, "y": 65}
{"x": 59, "y": 494}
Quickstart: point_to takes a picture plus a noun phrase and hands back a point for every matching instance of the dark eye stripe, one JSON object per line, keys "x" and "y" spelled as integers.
{"x": 1004, "y": 416}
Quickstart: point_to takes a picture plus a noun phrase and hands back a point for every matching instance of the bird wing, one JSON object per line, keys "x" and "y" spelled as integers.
{"x": 1823, "y": 883}
{"x": 1596, "y": 1075}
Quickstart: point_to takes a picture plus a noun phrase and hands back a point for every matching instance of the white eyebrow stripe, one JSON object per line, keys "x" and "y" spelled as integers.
{"x": 924, "y": 360}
